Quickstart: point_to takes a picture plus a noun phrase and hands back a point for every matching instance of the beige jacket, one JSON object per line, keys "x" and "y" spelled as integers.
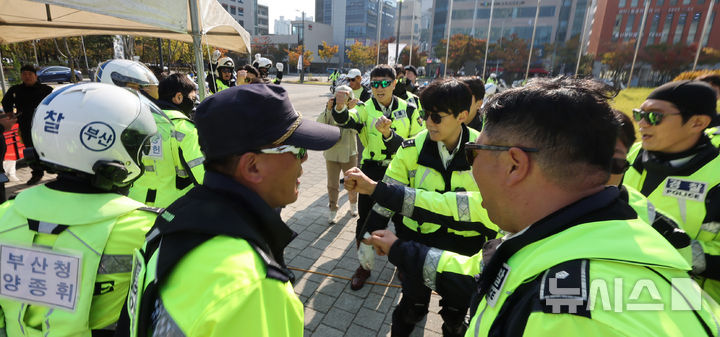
{"x": 346, "y": 147}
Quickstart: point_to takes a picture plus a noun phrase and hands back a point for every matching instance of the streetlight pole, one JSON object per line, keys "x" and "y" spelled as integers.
{"x": 582, "y": 40}
{"x": 532, "y": 41}
{"x": 447, "y": 42}
{"x": 412, "y": 33}
{"x": 702, "y": 35}
{"x": 302, "y": 49}
{"x": 639, "y": 39}
{"x": 378, "y": 28}
{"x": 487, "y": 41}
{"x": 397, "y": 40}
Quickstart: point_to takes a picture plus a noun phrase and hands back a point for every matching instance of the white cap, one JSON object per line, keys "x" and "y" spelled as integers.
{"x": 354, "y": 73}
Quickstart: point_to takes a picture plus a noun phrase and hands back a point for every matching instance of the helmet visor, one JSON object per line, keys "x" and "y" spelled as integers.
{"x": 136, "y": 137}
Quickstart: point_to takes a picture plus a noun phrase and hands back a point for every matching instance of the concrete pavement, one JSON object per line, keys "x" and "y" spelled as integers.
{"x": 321, "y": 249}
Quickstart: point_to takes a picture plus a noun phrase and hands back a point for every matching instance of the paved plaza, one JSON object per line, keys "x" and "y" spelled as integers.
{"x": 326, "y": 252}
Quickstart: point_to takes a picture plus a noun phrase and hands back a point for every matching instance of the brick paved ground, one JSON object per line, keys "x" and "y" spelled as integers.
{"x": 331, "y": 307}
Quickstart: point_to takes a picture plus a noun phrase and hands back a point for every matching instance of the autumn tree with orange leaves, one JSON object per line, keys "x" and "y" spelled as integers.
{"x": 327, "y": 52}
{"x": 294, "y": 55}
{"x": 463, "y": 48}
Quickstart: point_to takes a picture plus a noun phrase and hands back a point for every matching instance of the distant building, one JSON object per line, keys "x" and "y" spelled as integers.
{"x": 558, "y": 20}
{"x": 668, "y": 21}
{"x": 282, "y": 26}
{"x": 356, "y": 20}
{"x": 243, "y": 11}
{"x": 315, "y": 34}
{"x": 263, "y": 21}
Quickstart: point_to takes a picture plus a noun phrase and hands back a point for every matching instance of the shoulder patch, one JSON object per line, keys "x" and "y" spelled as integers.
{"x": 564, "y": 288}
{"x": 408, "y": 143}
{"x": 156, "y": 210}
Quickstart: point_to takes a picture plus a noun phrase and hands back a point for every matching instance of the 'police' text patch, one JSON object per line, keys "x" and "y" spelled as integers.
{"x": 685, "y": 189}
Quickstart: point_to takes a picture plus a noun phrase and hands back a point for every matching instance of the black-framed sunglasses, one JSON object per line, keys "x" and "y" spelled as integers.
{"x": 434, "y": 116}
{"x": 652, "y": 117}
{"x": 378, "y": 84}
{"x": 471, "y": 147}
{"x": 226, "y": 70}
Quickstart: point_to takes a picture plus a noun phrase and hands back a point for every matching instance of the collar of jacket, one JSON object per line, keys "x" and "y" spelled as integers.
{"x": 165, "y": 105}
{"x": 273, "y": 229}
{"x": 702, "y": 153}
{"x": 393, "y": 105}
{"x": 602, "y": 206}
{"x": 430, "y": 156}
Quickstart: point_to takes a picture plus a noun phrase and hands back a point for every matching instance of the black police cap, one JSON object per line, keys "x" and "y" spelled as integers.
{"x": 254, "y": 116}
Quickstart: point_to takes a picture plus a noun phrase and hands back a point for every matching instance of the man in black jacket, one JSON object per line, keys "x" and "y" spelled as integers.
{"x": 25, "y": 97}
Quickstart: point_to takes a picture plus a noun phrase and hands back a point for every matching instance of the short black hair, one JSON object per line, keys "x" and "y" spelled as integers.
{"x": 626, "y": 131}
{"x": 399, "y": 70}
{"x": 476, "y": 84}
{"x": 446, "y": 95}
{"x": 712, "y": 79}
{"x": 383, "y": 70}
{"x": 569, "y": 120}
{"x": 250, "y": 69}
{"x": 174, "y": 83}
{"x": 411, "y": 68}
{"x": 28, "y": 67}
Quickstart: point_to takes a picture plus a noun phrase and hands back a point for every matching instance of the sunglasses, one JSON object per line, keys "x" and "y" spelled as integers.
{"x": 299, "y": 152}
{"x": 226, "y": 71}
{"x": 471, "y": 147}
{"x": 652, "y": 117}
{"x": 378, "y": 84}
{"x": 435, "y": 117}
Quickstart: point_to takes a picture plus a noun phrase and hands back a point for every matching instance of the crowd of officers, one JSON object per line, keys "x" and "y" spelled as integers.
{"x": 537, "y": 214}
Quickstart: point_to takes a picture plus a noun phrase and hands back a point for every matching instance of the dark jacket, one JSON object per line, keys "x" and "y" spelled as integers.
{"x": 25, "y": 99}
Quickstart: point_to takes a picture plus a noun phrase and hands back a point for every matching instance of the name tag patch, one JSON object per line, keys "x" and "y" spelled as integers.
{"x": 685, "y": 189}
{"x": 41, "y": 276}
{"x": 398, "y": 114}
{"x": 493, "y": 293}
{"x": 156, "y": 150}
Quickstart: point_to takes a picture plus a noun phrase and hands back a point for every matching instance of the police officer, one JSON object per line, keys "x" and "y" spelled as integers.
{"x": 544, "y": 183}
{"x": 432, "y": 161}
{"x": 67, "y": 245}
{"x": 173, "y": 164}
{"x": 263, "y": 65}
{"x": 403, "y": 89}
{"x": 361, "y": 92}
{"x": 676, "y": 167}
{"x": 25, "y": 97}
{"x": 223, "y": 77}
{"x": 477, "y": 87}
{"x": 213, "y": 264}
{"x": 383, "y": 123}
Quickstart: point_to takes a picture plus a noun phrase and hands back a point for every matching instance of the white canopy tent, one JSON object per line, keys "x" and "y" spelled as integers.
{"x": 196, "y": 21}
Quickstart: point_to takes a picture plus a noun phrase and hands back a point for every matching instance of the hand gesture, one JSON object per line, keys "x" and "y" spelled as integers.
{"x": 357, "y": 181}
{"x": 382, "y": 240}
{"x": 341, "y": 99}
{"x": 353, "y": 102}
{"x": 383, "y": 125}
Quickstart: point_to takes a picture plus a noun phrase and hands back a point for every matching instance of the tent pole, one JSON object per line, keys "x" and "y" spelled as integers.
{"x": 197, "y": 48}
{"x": 2, "y": 75}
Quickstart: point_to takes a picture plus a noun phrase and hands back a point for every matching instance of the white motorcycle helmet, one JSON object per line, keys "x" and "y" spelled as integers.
{"x": 226, "y": 62}
{"x": 94, "y": 129}
{"x": 262, "y": 64}
{"x": 121, "y": 72}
